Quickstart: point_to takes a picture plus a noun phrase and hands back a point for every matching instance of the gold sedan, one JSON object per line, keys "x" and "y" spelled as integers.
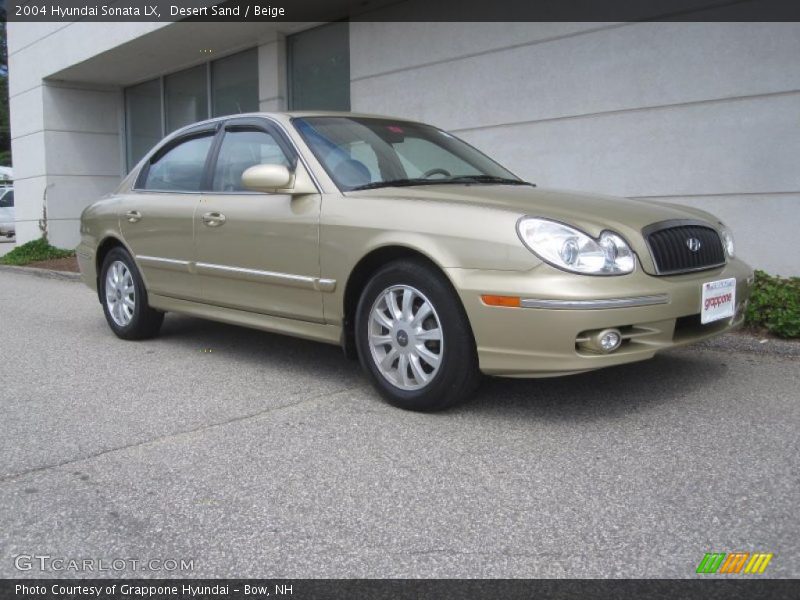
{"x": 415, "y": 252}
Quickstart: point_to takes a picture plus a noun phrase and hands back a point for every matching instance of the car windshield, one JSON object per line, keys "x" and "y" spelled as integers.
{"x": 365, "y": 153}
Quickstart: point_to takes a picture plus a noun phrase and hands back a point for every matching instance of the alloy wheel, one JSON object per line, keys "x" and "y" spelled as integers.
{"x": 405, "y": 337}
{"x": 120, "y": 293}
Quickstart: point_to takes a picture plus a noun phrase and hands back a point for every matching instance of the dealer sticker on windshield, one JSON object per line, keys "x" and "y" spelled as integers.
{"x": 719, "y": 300}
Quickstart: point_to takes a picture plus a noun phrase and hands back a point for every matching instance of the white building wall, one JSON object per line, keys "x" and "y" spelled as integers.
{"x": 65, "y": 136}
{"x": 704, "y": 114}
{"x": 66, "y": 101}
{"x": 698, "y": 113}
{"x": 83, "y": 153}
{"x": 71, "y": 160}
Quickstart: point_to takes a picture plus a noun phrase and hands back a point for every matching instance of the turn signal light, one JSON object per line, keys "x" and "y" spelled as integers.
{"x": 507, "y": 301}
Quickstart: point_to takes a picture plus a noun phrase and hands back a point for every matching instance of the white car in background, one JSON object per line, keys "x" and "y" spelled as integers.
{"x": 7, "y": 212}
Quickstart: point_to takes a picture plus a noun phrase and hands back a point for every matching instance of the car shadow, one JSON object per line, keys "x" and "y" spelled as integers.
{"x": 258, "y": 347}
{"x": 600, "y": 394}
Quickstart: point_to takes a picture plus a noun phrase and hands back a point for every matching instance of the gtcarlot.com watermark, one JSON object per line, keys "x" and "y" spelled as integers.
{"x": 63, "y": 564}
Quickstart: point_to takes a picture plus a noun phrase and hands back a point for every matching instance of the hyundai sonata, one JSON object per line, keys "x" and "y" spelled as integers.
{"x": 419, "y": 255}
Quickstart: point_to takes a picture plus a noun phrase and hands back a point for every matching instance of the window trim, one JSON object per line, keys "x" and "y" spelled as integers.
{"x": 204, "y": 130}
{"x": 217, "y": 128}
{"x": 249, "y": 124}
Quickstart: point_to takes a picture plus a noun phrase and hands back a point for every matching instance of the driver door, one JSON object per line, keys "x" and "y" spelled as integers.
{"x": 256, "y": 251}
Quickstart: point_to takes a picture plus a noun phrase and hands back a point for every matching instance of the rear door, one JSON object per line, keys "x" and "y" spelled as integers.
{"x": 256, "y": 251}
{"x": 157, "y": 216}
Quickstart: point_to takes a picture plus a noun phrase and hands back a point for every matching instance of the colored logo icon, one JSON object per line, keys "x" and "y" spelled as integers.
{"x": 734, "y": 563}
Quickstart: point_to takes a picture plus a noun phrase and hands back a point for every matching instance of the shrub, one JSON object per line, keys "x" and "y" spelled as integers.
{"x": 34, "y": 251}
{"x": 775, "y": 305}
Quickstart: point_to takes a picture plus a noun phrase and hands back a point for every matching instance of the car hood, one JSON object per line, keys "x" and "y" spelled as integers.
{"x": 591, "y": 213}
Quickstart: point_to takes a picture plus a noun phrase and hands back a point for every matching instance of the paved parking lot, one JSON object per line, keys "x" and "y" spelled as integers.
{"x": 259, "y": 455}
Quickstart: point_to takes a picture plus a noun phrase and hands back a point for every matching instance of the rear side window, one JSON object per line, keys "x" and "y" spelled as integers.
{"x": 241, "y": 150}
{"x": 181, "y": 167}
{"x": 7, "y": 201}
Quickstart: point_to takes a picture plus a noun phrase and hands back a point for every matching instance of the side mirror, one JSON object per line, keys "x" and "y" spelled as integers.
{"x": 278, "y": 179}
{"x": 266, "y": 178}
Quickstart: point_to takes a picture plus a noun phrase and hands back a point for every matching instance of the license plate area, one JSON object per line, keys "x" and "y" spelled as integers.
{"x": 718, "y": 300}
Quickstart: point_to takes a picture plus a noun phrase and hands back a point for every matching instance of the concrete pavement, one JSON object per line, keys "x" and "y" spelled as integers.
{"x": 259, "y": 455}
{"x": 6, "y": 246}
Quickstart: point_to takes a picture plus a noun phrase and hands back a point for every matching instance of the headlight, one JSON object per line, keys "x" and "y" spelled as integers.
{"x": 567, "y": 248}
{"x": 727, "y": 240}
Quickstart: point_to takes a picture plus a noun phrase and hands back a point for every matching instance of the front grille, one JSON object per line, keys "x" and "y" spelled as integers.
{"x": 669, "y": 246}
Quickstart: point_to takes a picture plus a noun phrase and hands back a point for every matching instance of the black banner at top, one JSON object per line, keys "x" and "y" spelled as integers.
{"x": 402, "y": 10}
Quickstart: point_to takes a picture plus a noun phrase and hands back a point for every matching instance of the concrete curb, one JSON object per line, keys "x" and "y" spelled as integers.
{"x": 46, "y": 273}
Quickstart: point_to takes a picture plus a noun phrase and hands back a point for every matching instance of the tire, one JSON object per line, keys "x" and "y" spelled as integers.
{"x": 136, "y": 322}
{"x": 441, "y": 369}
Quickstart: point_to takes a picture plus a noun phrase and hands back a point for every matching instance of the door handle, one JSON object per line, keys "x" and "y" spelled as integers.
{"x": 213, "y": 219}
{"x": 133, "y": 216}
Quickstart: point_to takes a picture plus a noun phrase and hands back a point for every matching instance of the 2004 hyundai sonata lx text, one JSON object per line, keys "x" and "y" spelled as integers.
{"x": 421, "y": 256}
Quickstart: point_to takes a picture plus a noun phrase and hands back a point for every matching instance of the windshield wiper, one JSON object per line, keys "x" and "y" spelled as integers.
{"x": 423, "y": 181}
{"x": 399, "y": 183}
{"x": 488, "y": 179}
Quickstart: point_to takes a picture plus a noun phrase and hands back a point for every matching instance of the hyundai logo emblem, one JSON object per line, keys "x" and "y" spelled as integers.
{"x": 693, "y": 244}
{"x": 402, "y": 338}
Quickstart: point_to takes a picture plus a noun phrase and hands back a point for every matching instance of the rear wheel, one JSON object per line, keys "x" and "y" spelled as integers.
{"x": 414, "y": 339}
{"x": 124, "y": 298}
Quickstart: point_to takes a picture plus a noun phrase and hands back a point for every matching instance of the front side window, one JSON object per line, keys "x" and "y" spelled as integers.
{"x": 181, "y": 167}
{"x": 360, "y": 153}
{"x": 241, "y": 150}
{"x": 7, "y": 201}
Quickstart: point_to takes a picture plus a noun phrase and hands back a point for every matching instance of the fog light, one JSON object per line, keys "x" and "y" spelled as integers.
{"x": 604, "y": 341}
{"x": 610, "y": 341}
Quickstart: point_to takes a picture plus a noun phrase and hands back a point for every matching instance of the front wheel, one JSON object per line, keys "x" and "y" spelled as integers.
{"x": 414, "y": 339}
{"x": 124, "y": 298}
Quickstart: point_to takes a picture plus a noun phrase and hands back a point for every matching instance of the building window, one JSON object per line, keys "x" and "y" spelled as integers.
{"x": 319, "y": 68}
{"x": 234, "y": 89}
{"x": 186, "y": 97}
{"x": 159, "y": 106}
{"x": 143, "y": 123}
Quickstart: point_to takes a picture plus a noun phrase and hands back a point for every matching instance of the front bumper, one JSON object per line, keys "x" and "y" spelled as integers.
{"x": 86, "y": 264}
{"x": 540, "y": 338}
